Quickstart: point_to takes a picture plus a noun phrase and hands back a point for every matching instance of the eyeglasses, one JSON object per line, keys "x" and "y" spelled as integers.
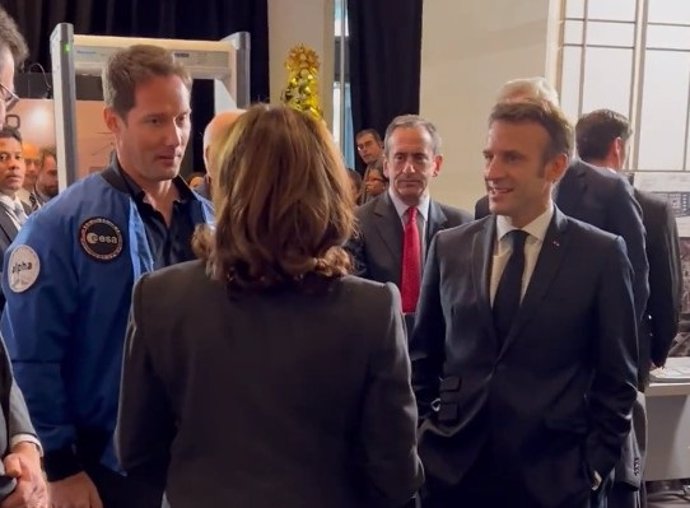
{"x": 9, "y": 97}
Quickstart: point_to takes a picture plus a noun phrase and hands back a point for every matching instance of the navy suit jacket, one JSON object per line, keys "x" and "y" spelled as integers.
{"x": 603, "y": 199}
{"x": 554, "y": 399}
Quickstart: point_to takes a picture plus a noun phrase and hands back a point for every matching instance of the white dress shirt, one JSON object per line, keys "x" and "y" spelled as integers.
{"x": 12, "y": 204}
{"x": 422, "y": 216}
{"x": 536, "y": 231}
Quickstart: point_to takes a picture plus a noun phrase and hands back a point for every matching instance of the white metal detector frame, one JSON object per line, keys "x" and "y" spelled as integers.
{"x": 225, "y": 61}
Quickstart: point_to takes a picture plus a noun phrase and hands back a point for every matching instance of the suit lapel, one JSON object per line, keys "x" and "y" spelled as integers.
{"x": 482, "y": 256}
{"x": 389, "y": 227}
{"x": 437, "y": 221}
{"x": 571, "y": 188}
{"x": 6, "y": 225}
{"x": 548, "y": 263}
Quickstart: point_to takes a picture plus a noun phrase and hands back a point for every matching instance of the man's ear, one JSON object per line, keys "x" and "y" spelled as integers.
{"x": 386, "y": 172}
{"x": 618, "y": 146}
{"x": 438, "y": 162}
{"x": 557, "y": 167}
{"x": 112, "y": 120}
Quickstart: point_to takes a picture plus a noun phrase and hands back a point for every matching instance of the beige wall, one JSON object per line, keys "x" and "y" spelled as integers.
{"x": 309, "y": 22}
{"x": 469, "y": 49}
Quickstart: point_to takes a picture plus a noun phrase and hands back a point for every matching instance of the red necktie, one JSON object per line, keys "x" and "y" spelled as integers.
{"x": 411, "y": 263}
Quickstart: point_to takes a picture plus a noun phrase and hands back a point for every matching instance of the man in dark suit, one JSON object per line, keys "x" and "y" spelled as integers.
{"x": 21, "y": 478}
{"x": 523, "y": 369}
{"x": 391, "y": 246}
{"x": 13, "y": 212}
{"x": 590, "y": 194}
{"x": 602, "y": 138}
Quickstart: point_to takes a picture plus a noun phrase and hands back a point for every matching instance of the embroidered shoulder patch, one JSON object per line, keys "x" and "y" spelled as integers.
{"x": 24, "y": 268}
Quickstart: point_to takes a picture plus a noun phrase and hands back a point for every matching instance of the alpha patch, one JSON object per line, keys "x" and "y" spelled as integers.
{"x": 101, "y": 239}
{"x": 24, "y": 267}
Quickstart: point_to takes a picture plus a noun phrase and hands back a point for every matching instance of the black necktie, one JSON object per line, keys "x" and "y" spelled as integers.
{"x": 507, "y": 298}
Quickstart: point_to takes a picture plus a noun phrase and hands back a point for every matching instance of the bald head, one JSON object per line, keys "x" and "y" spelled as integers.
{"x": 215, "y": 133}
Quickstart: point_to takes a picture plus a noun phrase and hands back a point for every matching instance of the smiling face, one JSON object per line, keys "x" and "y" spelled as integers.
{"x": 518, "y": 178}
{"x": 410, "y": 163}
{"x": 152, "y": 138}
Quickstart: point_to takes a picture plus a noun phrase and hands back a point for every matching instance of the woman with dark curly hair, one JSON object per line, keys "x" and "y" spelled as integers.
{"x": 264, "y": 375}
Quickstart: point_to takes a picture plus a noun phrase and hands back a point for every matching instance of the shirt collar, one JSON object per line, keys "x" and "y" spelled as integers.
{"x": 537, "y": 228}
{"x": 401, "y": 208}
{"x": 185, "y": 193}
{"x": 8, "y": 200}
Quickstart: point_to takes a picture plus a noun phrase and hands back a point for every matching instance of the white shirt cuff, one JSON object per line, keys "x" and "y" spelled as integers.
{"x": 26, "y": 438}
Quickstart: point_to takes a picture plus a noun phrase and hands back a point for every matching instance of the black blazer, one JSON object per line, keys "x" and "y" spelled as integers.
{"x": 603, "y": 199}
{"x": 377, "y": 249}
{"x": 554, "y": 400}
{"x": 265, "y": 400}
{"x": 660, "y": 323}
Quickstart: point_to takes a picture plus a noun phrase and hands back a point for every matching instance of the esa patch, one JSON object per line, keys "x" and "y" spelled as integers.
{"x": 100, "y": 239}
{"x": 24, "y": 267}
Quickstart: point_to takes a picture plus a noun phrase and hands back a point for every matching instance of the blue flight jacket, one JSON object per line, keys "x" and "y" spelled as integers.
{"x": 68, "y": 278}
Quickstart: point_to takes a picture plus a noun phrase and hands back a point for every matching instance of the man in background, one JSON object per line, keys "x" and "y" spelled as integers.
{"x": 369, "y": 146}
{"x": 215, "y": 133}
{"x": 396, "y": 228}
{"x": 602, "y": 140}
{"x": 32, "y": 161}
{"x": 46, "y": 187}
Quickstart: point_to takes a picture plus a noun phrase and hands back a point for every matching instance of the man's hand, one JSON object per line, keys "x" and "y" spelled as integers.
{"x": 24, "y": 464}
{"x": 76, "y": 491}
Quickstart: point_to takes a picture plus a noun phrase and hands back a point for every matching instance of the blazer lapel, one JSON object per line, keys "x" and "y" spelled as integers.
{"x": 571, "y": 188}
{"x": 437, "y": 221}
{"x": 548, "y": 263}
{"x": 7, "y": 226}
{"x": 389, "y": 227}
{"x": 482, "y": 257}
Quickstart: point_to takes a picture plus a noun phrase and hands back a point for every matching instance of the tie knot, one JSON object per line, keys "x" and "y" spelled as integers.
{"x": 18, "y": 208}
{"x": 517, "y": 238}
{"x": 411, "y": 213}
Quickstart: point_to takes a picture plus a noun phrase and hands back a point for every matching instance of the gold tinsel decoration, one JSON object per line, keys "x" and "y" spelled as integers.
{"x": 302, "y": 91}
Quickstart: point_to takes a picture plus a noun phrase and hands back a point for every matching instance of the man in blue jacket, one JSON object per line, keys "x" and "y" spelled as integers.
{"x": 69, "y": 275}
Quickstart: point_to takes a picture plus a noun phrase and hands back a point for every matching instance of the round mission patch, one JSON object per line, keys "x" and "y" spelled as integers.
{"x": 101, "y": 239}
{"x": 24, "y": 267}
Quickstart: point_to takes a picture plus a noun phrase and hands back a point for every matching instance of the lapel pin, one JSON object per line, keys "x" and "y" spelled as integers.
{"x": 556, "y": 244}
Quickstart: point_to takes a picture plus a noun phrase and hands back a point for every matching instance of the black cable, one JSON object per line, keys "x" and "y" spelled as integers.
{"x": 49, "y": 88}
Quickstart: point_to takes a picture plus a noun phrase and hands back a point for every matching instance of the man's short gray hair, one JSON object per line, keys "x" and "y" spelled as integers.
{"x": 535, "y": 88}
{"x": 413, "y": 122}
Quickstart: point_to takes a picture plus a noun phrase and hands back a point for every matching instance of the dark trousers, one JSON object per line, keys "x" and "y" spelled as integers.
{"x": 117, "y": 491}
{"x": 486, "y": 486}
